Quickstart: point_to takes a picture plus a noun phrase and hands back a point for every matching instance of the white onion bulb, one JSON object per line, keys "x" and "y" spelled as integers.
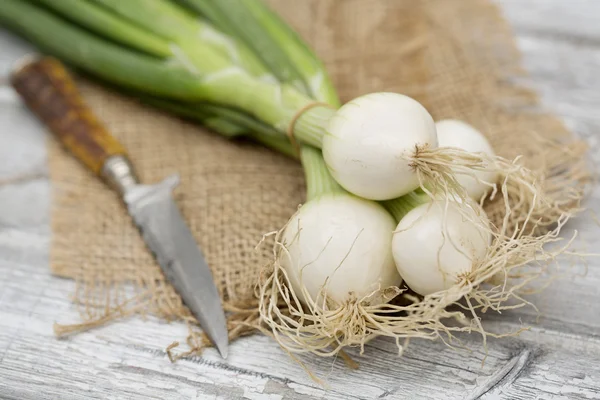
{"x": 428, "y": 228}
{"x": 454, "y": 133}
{"x": 369, "y": 142}
{"x": 342, "y": 242}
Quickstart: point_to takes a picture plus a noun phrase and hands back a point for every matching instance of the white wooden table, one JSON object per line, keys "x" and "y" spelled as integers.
{"x": 559, "y": 358}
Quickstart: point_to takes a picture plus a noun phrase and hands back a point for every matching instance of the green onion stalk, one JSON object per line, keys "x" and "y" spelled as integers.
{"x": 401, "y": 206}
{"x": 228, "y": 122}
{"x": 154, "y": 27}
{"x": 279, "y": 47}
{"x": 195, "y": 70}
{"x": 98, "y": 18}
{"x": 319, "y": 181}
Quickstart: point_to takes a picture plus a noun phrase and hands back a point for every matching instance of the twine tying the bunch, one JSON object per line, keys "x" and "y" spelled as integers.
{"x": 296, "y": 117}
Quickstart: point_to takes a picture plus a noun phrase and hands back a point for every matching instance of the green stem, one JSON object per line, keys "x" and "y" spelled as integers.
{"x": 279, "y": 46}
{"x": 297, "y": 51}
{"x": 158, "y": 16}
{"x": 227, "y": 122}
{"x": 211, "y": 11}
{"x": 289, "y": 58}
{"x": 280, "y": 145}
{"x": 205, "y": 47}
{"x": 102, "y": 21}
{"x": 403, "y": 205}
{"x": 202, "y": 111}
{"x": 100, "y": 57}
{"x": 318, "y": 179}
{"x": 310, "y": 126}
{"x": 275, "y": 104}
{"x": 224, "y": 127}
{"x": 236, "y": 19}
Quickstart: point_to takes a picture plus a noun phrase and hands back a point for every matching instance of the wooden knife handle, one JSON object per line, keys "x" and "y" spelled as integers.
{"x": 50, "y": 93}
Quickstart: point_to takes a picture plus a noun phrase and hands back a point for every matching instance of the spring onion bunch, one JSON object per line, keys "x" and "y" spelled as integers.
{"x": 237, "y": 68}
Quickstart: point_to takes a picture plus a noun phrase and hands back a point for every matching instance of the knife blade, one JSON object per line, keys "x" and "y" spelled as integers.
{"x": 169, "y": 238}
{"x": 47, "y": 89}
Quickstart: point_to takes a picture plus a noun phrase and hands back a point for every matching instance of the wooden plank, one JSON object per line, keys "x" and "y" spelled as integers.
{"x": 130, "y": 354}
{"x": 560, "y": 42}
{"x": 574, "y": 22}
{"x": 561, "y": 51}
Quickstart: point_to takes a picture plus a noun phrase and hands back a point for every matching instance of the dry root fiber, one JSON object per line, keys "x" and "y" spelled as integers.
{"x": 522, "y": 247}
{"x": 542, "y": 194}
{"x": 438, "y": 168}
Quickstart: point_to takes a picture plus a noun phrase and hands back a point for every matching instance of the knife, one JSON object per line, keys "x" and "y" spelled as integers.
{"x": 47, "y": 89}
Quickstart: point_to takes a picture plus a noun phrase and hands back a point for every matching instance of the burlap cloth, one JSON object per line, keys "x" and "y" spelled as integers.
{"x": 455, "y": 56}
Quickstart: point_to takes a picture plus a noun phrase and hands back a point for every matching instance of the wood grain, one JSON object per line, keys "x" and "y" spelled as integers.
{"x": 556, "y": 359}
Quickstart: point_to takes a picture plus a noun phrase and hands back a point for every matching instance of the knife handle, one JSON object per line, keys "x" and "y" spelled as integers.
{"x": 47, "y": 89}
{"x": 50, "y": 93}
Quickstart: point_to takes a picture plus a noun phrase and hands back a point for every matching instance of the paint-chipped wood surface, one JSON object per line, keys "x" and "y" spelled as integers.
{"x": 559, "y": 358}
